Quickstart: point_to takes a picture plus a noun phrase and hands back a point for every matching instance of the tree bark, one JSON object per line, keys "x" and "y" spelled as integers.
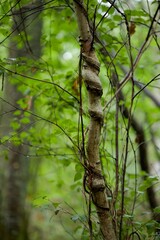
{"x": 90, "y": 71}
{"x": 27, "y": 28}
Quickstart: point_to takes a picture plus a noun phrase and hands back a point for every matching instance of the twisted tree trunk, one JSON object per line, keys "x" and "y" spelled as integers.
{"x": 91, "y": 67}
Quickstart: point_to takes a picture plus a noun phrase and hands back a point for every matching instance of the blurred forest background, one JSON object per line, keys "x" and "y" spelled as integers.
{"x": 44, "y": 119}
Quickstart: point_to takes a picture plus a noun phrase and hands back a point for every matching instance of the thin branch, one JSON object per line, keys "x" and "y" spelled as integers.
{"x": 137, "y": 59}
{"x": 153, "y": 79}
{"x": 104, "y": 15}
{"x": 41, "y": 118}
{"x": 39, "y": 80}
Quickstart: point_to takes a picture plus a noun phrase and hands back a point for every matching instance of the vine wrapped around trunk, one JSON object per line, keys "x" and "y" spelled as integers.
{"x": 91, "y": 67}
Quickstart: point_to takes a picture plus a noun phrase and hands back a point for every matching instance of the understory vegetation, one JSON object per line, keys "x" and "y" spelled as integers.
{"x": 80, "y": 125}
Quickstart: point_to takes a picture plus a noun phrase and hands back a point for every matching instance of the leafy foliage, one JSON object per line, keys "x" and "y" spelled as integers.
{"x": 47, "y": 117}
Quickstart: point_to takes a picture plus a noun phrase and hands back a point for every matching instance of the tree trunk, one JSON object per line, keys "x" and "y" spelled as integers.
{"x": 27, "y": 28}
{"x": 90, "y": 71}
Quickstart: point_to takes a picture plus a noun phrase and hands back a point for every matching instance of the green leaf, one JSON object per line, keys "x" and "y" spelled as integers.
{"x": 157, "y": 210}
{"x": 148, "y": 183}
{"x": 4, "y": 139}
{"x": 128, "y": 216}
{"x": 15, "y": 125}
{"x": 136, "y": 13}
{"x": 23, "y": 135}
{"x": 77, "y": 176}
{"x": 25, "y": 120}
{"x": 117, "y": 18}
{"x": 17, "y": 113}
{"x": 56, "y": 204}
{"x": 150, "y": 227}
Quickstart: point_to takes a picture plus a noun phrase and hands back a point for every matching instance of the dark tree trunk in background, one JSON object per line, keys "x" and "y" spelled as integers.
{"x": 24, "y": 43}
